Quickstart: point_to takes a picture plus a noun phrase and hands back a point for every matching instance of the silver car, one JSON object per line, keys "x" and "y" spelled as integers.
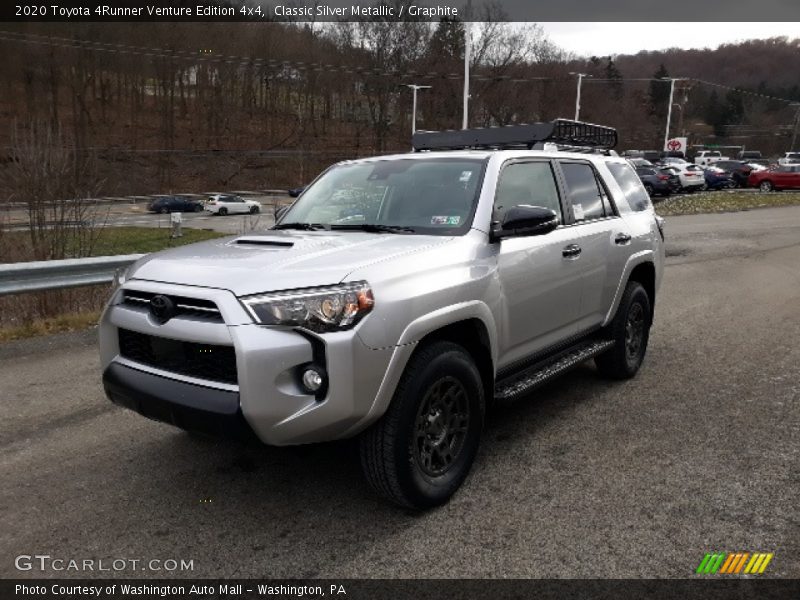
{"x": 393, "y": 301}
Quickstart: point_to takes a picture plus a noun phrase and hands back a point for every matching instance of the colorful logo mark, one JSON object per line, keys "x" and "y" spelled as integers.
{"x": 734, "y": 563}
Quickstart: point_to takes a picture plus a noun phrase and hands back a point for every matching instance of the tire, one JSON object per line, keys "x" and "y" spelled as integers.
{"x": 162, "y": 211}
{"x": 198, "y": 208}
{"x": 222, "y": 211}
{"x": 766, "y": 186}
{"x": 630, "y": 329}
{"x": 254, "y": 210}
{"x": 400, "y": 458}
{"x": 649, "y": 189}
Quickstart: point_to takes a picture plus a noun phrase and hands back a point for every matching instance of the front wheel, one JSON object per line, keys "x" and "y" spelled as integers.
{"x": 766, "y": 186}
{"x": 222, "y": 211}
{"x": 630, "y": 331}
{"x": 419, "y": 453}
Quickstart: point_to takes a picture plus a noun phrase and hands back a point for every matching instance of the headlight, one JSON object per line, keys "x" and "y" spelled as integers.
{"x": 318, "y": 309}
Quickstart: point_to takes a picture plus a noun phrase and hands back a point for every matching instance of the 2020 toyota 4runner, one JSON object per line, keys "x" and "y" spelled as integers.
{"x": 396, "y": 298}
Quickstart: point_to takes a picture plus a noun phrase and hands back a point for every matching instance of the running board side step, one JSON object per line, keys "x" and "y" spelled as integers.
{"x": 520, "y": 383}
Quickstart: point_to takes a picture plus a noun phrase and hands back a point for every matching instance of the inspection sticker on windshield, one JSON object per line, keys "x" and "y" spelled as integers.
{"x": 465, "y": 176}
{"x": 445, "y": 220}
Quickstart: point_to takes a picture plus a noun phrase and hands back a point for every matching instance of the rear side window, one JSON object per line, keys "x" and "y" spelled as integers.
{"x": 631, "y": 186}
{"x": 530, "y": 183}
{"x": 585, "y": 192}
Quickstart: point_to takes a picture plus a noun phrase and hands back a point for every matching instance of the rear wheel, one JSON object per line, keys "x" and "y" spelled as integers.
{"x": 198, "y": 208}
{"x": 766, "y": 186}
{"x": 630, "y": 329}
{"x": 162, "y": 211}
{"x": 419, "y": 453}
{"x": 254, "y": 210}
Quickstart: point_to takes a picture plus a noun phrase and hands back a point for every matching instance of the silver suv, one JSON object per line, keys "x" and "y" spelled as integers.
{"x": 396, "y": 299}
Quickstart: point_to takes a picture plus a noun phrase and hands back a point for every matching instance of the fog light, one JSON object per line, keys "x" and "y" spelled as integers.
{"x": 312, "y": 380}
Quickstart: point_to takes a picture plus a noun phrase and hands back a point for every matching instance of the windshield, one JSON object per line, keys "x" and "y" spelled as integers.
{"x": 422, "y": 195}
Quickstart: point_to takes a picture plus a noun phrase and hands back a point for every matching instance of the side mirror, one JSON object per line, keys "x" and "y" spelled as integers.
{"x": 525, "y": 220}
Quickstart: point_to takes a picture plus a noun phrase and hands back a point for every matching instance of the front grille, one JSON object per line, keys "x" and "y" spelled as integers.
{"x": 185, "y": 307}
{"x": 204, "y": 361}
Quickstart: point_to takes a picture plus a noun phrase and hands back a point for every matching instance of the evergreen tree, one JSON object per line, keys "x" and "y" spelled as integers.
{"x": 659, "y": 92}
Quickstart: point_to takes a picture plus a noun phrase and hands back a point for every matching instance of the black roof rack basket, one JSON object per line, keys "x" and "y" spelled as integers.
{"x": 564, "y": 133}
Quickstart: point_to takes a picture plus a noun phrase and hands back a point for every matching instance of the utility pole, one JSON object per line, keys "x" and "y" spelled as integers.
{"x": 465, "y": 120}
{"x": 796, "y": 123}
{"x": 578, "y": 95}
{"x": 414, "y": 88}
{"x": 672, "y": 81}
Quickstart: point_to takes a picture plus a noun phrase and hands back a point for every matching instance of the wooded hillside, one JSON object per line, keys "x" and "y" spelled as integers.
{"x": 163, "y": 107}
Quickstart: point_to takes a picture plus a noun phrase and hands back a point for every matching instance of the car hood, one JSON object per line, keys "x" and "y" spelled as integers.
{"x": 277, "y": 260}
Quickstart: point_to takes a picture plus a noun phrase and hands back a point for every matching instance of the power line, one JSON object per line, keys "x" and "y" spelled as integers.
{"x": 271, "y": 63}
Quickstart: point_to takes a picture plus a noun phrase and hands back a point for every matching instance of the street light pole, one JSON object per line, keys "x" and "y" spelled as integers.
{"x": 672, "y": 81}
{"x": 465, "y": 119}
{"x": 414, "y": 88}
{"x": 578, "y": 94}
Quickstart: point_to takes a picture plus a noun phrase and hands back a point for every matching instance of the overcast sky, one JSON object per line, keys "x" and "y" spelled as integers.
{"x": 602, "y": 39}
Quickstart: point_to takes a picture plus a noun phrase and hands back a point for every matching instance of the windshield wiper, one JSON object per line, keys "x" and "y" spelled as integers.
{"x": 374, "y": 228}
{"x": 301, "y": 226}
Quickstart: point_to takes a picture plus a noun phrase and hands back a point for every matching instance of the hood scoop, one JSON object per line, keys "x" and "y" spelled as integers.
{"x": 262, "y": 242}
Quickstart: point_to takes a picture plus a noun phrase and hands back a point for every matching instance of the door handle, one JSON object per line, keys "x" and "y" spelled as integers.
{"x": 622, "y": 239}
{"x": 571, "y": 251}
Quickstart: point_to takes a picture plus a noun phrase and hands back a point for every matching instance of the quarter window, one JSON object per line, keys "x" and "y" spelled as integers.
{"x": 631, "y": 187}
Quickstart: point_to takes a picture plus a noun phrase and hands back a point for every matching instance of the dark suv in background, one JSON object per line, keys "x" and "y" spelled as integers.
{"x": 656, "y": 181}
{"x": 170, "y": 204}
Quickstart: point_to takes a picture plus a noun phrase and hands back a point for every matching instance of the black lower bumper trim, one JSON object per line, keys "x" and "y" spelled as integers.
{"x": 185, "y": 405}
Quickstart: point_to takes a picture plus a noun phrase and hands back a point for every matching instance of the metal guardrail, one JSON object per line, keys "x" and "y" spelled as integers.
{"x": 17, "y": 278}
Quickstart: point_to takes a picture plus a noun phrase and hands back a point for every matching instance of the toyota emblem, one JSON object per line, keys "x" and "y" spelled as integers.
{"x": 162, "y": 308}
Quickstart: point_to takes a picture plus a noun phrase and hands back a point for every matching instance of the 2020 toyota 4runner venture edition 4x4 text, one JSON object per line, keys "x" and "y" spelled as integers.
{"x": 396, "y": 298}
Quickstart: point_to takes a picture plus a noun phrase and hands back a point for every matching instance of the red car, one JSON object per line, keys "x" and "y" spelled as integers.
{"x": 783, "y": 177}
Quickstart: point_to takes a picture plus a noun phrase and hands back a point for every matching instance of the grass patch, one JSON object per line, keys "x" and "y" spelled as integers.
{"x": 16, "y": 245}
{"x": 141, "y": 240}
{"x": 724, "y": 201}
{"x": 59, "y": 324}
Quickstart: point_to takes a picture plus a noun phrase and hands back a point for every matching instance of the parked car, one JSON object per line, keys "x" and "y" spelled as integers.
{"x": 669, "y": 161}
{"x": 782, "y": 177}
{"x": 295, "y": 192}
{"x": 717, "y": 178}
{"x": 749, "y": 155}
{"x": 705, "y": 158}
{"x": 739, "y": 170}
{"x": 470, "y": 277}
{"x": 654, "y": 181}
{"x": 170, "y": 204}
{"x": 222, "y": 205}
{"x": 790, "y": 158}
{"x": 638, "y": 162}
{"x": 691, "y": 176}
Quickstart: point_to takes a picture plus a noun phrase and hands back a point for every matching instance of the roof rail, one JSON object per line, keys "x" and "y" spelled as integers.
{"x": 572, "y": 135}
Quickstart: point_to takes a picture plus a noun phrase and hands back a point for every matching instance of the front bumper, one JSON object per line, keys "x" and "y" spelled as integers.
{"x": 266, "y": 397}
{"x": 185, "y": 405}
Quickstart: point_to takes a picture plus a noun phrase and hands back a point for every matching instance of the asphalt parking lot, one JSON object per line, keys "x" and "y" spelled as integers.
{"x": 585, "y": 478}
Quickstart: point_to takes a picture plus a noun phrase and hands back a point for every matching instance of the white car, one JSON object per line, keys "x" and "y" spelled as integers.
{"x": 790, "y": 158}
{"x": 709, "y": 157}
{"x": 691, "y": 176}
{"x": 222, "y": 205}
